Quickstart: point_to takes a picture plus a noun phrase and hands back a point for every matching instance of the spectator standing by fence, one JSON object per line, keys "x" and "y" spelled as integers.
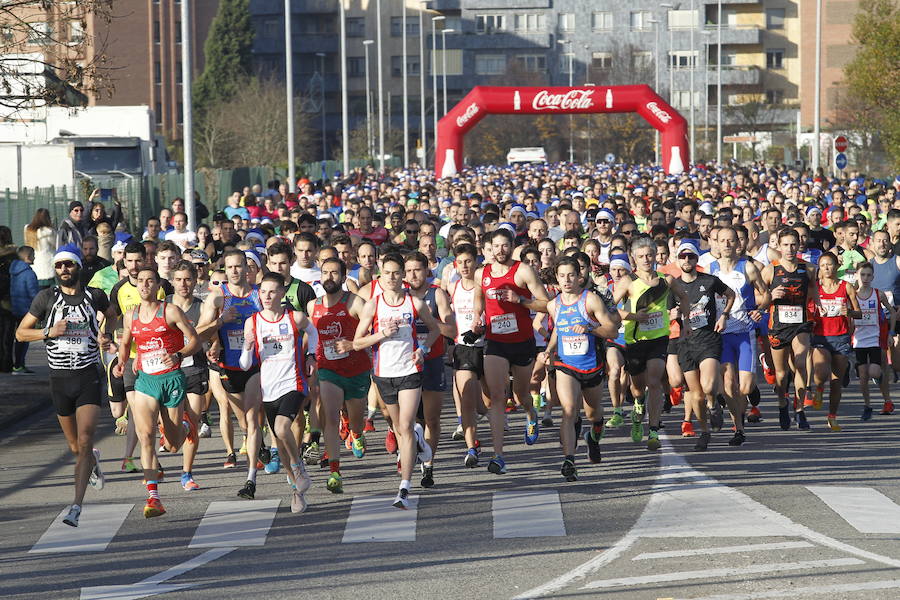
{"x": 7, "y": 321}
{"x": 72, "y": 230}
{"x": 23, "y": 288}
{"x": 40, "y": 235}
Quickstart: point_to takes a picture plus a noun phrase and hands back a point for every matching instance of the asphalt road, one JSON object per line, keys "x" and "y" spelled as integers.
{"x": 788, "y": 515}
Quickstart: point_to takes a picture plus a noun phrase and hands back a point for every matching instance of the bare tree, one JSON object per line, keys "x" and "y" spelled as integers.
{"x": 53, "y": 52}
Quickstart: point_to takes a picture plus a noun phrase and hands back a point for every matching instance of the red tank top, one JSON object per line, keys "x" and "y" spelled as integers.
{"x": 154, "y": 340}
{"x": 832, "y": 322}
{"x": 506, "y": 322}
{"x": 336, "y": 323}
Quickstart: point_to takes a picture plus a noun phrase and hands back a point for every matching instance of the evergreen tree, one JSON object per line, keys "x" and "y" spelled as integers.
{"x": 228, "y": 51}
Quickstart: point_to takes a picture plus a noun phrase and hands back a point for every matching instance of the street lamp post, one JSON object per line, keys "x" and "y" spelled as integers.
{"x": 345, "y": 107}
{"x": 444, "y": 33}
{"x": 380, "y": 88}
{"x": 289, "y": 84}
{"x": 434, "y": 93}
{"x": 571, "y": 128}
{"x": 370, "y": 142}
{"x": 589, "y": 132}
{"x": 423, "y": 134}
{"x": 694, "y": 54}
{"x": 719, "y": 84}
{"x": 817, "y": 98}
{"x": 321, "y": 56}
{"x": 187, "y": 125}
{"x": 669, "y": 62}
{"x": 655, "y": 23}
{"x": 405, "y": 96}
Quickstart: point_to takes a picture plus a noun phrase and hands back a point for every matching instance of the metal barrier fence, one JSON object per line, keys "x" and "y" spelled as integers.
{"x": 143, "y": 197}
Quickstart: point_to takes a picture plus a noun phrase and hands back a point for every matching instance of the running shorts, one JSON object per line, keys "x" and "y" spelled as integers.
{"x": 197, "y": 380}
{"x": 434, "y": 378}
{"x": 737, "y": 349}
{"x": 169, "y": 389}
{"x": 783, "y": 336}
{"x": 71, "y": 389}
{"x": 835, "y": 344}
{"x": 469, "y": 358}
{"x": 520, "y": 354}
{"x": 868, "y": 356}
{"x": 287, "y": 405}
{"x": 235, "y": 381}
{"x": 701, "y": 345}
{"x": 390, "y": 387}
{"x": 585, "y": 380}
{"x": 638, "y": 353}
{"x": 354, "y": 388}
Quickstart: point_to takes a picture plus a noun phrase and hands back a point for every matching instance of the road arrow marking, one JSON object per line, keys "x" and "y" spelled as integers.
{"x": 151, "y": 586}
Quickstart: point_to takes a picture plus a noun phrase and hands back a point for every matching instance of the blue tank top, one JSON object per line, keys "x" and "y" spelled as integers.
{"x": 231, "y": 335}
{"x": 745, "y": 297}
{"x": 577, "y": 351}
{"x": 811, "y": 255}
{"x": 887, "y": 278}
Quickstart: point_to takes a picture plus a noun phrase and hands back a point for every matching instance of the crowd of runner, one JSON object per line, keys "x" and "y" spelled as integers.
{"x": 307, "y": 318}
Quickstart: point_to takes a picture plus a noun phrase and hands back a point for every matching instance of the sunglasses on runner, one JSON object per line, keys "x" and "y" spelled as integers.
{"x": 687, "y": 256}
{"x": 65, "y": 264}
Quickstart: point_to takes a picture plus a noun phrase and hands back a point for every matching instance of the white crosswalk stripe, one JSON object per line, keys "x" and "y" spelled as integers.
{"x": 98, "y": 525}
{"x": 373, "y": 519}
{"x": 235, "y": 523}
{"x": 864, "y": 508}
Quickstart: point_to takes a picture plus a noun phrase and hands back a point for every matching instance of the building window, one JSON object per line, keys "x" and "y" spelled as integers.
{"x": 356, "y": 27}
{"x": 531, "y": 22}
{"x": 180, "y": 113}
{"x": 177, "y": 32}
{"x": 682, "y": 98}
{"x": 682, "y": 59}
{"x": 774, "y": 18}
{"x": 157, "y": 72}
{"x": 412, "y": 26}
{"x": 565, "y": 61}
{"x": 533, "y": 63}
{"x": 601, "y": 61}
{"x": 489, "y": 23}
{"x": 642, "y": 60}
{"x": 412, "y": 66}
{"x": 76, "y": 32}
{"x": 270, "y": 28}
{"x": 158, "y": 111}
{"x": 318, "y": 25}
{"x": 490, "y": 64}
{"x": 178, "y": 73}
{"x": 39, "y": 33}
{"x": 157, "y": 35}
{"x": 640, "y": 20}
{"x": 775, "y": 59}
{"x": 682, "y": 19}
{"x": 356, "y": 66}
{"x": 774, "y": 96}
{"x": 455, "y": 23}
{"x": 602, "y": 21}
{"x": 567, "y": 21}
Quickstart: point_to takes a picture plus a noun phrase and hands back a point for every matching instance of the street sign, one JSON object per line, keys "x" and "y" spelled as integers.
{"x": 610, "y": 158}
{"x": 841, "y": 144}
{"x": 840, "y": 161}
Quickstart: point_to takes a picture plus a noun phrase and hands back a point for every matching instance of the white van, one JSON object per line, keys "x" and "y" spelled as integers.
{"x": 526, "y": 155}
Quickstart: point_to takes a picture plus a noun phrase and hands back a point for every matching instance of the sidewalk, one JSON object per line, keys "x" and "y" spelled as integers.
{"x": 25, "y": 395}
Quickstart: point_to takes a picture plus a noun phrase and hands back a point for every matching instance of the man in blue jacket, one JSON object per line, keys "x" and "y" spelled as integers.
{"x": 23, "y": 287}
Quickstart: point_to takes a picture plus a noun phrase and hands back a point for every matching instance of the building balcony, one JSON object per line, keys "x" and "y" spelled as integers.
{"x": 737, "y": 75}
{"x": 446, "y": 5}
{"x": 734, "y": 34}
{"x": 505, "y": 4}
{"x": 497, "y": 41}
{"x": 276, "y": 7}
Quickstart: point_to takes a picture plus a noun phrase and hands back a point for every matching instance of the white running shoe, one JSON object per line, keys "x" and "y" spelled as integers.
{"x": 298, "y": 502}
{"x": 97, "y": 479}
{"x": 71, "y": 519}
{"x": 302, "y": 478}
{"x": 205, "y": 431}
{"x": 402, "y": 499}
{"x": 423, "y": 450}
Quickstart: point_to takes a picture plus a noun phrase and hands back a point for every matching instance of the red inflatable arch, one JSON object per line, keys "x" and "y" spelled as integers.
{"x": 483, "y": 101}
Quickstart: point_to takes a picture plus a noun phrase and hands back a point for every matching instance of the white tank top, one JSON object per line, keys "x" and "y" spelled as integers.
{"x": 763, "y": 255}
{"x": 463, "y": 302}
{"x": 394, "y": 354}
{"x": 277, "y": 350}
{"x": 866, "y": 333}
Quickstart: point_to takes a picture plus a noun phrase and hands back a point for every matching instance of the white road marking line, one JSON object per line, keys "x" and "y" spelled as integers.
{"x": 235, "y": 523}
{"x": 373, "y": 519}
{"x": 866, "y": 509}
{"x": 527, "y": 514}
{"x": 673, "y": 461}
{"x": 797, "y": 592}
{"x": 722, "y": 550}
{"x": 723, "y": 572}
{"x": 97, "y": 526}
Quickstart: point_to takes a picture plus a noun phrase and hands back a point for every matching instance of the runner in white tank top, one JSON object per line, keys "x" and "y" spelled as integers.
{"x": 272, "y": 336}
{"x": 388, "y": 320}
{"x": 871, "y": 358}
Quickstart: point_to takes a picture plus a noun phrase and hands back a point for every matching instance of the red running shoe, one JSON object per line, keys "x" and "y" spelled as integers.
{"x": 754, "y": 416}
{"x": 676, "y": 395}
{"x": 390, "y": 442}
{"x": 687, "y": 429}
{"x": 888, "y": 408}
{"x": 370, "y": 426}
{"x": 345, "y": 427}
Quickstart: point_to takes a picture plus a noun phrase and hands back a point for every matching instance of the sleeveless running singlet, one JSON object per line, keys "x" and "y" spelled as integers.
{"x": 394, "y": 354}
{"x": 506, "y": 322}
{"x": 278, "y": 354}
{"x": 791, "y": 309}
{"x": 744, "y": 296}
{"x": 231, "y": 334}
{"x": 437, "y": 349}
{"x": 867, "y": 330}
{"x": 887, "y": 278}
{"x": 832, "y": 322}
{"x": 580, "y": 352}
{"x": 655, "y": 300}
{"x": 336, "y": 323}
{"x": 463, "y": 303}
{"x": 154, "y": 340}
